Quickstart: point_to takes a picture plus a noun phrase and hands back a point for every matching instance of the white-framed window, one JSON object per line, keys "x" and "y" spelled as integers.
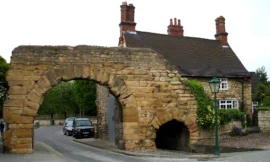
{"x": 254, "y": 106}
{"x": 228, "y": 104}
{"x": 223, "y": 84}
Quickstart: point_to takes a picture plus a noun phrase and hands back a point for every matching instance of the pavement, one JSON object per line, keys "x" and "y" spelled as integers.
{"x": 244, "y": 146}
{"x": 102, "y": 144}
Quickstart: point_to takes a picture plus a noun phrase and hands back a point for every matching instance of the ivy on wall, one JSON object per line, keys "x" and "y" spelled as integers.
{"x": 205, "y": 111}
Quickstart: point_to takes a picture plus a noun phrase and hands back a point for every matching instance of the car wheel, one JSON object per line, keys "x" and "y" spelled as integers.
{"x": 67, "y": 133}
{"x": 64, "y": 132}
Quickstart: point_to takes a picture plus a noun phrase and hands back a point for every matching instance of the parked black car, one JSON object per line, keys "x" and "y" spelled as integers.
{"x": 69, "y": 119}
{"x": 82, "y": 127}
{"x": 67, "y": 129}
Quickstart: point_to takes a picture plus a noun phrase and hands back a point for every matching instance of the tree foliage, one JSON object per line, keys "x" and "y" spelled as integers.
{"x": 85, "y": 96}
{"x": 69, "y": 98}
{"x": 4, "y": 66}
{"x": 262, "y": 94}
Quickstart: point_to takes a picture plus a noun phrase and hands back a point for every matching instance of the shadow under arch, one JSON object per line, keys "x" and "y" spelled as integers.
{"x": 173, "y": 135}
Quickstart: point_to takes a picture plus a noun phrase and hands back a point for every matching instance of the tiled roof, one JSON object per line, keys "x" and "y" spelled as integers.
{"x": 190, "y": 56}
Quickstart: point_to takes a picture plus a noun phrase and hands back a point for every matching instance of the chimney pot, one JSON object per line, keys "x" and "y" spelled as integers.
{"x": 124, "y": 3}
{"x": 130, "y": 4}
{"x": 175, "y": 29}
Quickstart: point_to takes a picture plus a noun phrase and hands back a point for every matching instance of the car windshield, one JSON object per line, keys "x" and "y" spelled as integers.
{"x": 70, "y": 119}
{"x": 69, "y": 124}
{"x": 84, "y": 123}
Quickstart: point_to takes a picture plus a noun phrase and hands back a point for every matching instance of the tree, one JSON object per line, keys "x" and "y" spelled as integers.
{"x": 58, "y": 100}
{"x": 263, "y": 75}
{"x": 50, "y": 103}
{"x": 85, "y": 96}
{"x": 262, "y": 94}
{"x": 4, "y": 66}
{"x": 66, "y": 99}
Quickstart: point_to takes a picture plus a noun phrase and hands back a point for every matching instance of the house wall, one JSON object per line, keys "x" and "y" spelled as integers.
{"x": 234, "y": 92}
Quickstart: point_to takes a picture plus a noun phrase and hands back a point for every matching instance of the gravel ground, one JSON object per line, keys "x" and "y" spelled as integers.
{"x": 253, "y": 140}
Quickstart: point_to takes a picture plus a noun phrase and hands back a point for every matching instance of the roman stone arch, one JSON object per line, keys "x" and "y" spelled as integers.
{"x": 149, "y": 90}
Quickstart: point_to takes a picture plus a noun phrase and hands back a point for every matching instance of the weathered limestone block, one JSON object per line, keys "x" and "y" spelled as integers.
{"x": 22, "y": 78}
{"x": 68, "y": 73}
{"x": 24, "y": 145}
{"x": 51, "y": 76}
{"x": 31, "y": 104}
{"x": 27, "y": 119}
{"x": 100, "y": 73}
{"x": 7, "y": 134}
{"x": 26, "y": 126}
{"x": 10, "y": 142}
{"x": 130, "y": 114}
{"x": 85, "y": 72}
{"x": 30, "y": 112}
{"x": 12, "y": 118}
{"x": 78, "y": 71}
{"x": 34, "y": 96}
{"x": 13, "y": 103}
{"x": 105, "y": 77}
{"x": 19, "y": 90}
{"x": 20, "y": 97}
{"x": 21, "y": 133}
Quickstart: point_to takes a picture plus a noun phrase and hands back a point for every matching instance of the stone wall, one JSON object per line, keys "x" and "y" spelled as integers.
{"x": 149, "y": 91}
{"x": 48, "y": 122}
{"x": 264, "y": 120}
{"x": 102, "y": 114}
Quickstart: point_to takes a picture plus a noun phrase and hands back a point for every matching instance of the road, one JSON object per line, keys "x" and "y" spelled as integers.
{"x": 64, "y": 147}
{"x": 52, "y": 146}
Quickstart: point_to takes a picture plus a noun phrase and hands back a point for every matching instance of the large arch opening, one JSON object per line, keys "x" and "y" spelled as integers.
{"x": 85, "y": 98}
{"x": 173, "y": 135}
{"x": 75, "y": 98}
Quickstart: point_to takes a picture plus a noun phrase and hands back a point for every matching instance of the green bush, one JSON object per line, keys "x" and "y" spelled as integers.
{"x": 263, "y": 108}
{"x": 229, "y": 115}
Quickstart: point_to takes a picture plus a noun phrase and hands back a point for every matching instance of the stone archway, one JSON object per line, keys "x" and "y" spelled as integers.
{"x": 173, "y": 135}
{"x": 148, "y": 89}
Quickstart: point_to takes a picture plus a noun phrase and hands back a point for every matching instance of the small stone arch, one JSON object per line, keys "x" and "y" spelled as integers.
{"x": 173, "y": 135}
{"x": 187, "y": 119}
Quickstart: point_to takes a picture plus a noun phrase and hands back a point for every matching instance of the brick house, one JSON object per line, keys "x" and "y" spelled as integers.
{"x": 195, "y": 58}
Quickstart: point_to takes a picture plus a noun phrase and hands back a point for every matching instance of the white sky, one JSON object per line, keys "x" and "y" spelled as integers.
{"x": 96, "y": 22}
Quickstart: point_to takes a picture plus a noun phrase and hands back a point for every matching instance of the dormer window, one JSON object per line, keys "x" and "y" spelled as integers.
{"x": 223, "y": 84}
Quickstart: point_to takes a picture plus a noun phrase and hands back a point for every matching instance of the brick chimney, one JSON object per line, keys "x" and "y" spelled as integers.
{"x": 221, "y": 32}
{"x": 175, "y": 29}
{"x": 127, "y": 20}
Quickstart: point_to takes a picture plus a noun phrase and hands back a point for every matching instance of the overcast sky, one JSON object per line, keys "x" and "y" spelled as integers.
{"x": 96, "y": 22}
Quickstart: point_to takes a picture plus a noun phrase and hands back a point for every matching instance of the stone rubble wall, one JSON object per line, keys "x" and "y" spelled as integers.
{"x": 264, "y": 120}
{"x": 102, "y": 113}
